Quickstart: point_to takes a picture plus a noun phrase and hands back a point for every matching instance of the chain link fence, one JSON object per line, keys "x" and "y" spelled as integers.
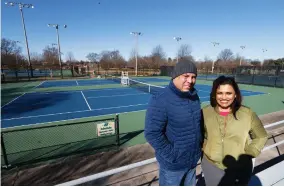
{"x": 266, "y": 75}
{"x": 43, "y": 73}
{"x": 263, "y": 75}
{"x": 39, "y": 143}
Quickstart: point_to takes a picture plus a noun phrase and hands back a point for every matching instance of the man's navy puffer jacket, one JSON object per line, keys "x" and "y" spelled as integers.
{"x": 172, "y": 128}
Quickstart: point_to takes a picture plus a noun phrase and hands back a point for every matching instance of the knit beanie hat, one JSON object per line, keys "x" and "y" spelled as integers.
{"x": 184, "y": 67}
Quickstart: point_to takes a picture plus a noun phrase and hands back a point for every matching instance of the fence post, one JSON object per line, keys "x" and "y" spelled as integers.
{"x": 206, "y": 73}
{"x": 117, "y": 130}
{"x": 2, "y": 75}
{"x": 4, "y": 151}
{"x": 277, "y": 74}
{"x": 252, "y": 81}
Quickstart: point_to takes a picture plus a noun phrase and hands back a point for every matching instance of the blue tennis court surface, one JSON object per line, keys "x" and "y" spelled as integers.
{"x": 44, "y": 107}
{"x": 47, "y": 84}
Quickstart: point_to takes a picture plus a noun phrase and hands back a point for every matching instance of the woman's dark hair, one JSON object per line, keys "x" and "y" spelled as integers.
{"x": 222, "y": 80}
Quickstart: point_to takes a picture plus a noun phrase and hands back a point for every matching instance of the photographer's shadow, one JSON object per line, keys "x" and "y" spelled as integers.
{"x": 238, "y": 172}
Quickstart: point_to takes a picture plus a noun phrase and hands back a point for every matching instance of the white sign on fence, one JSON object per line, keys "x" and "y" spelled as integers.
{"x": 106, "y": 128}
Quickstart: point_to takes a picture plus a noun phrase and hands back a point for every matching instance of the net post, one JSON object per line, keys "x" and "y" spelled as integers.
{"x": 117, "y": 129}
{"x": 149, "y": 89}
{"x": 4, "y": 151}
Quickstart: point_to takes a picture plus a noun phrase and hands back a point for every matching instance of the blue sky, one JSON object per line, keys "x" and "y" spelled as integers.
{"x": 93, "y": 27}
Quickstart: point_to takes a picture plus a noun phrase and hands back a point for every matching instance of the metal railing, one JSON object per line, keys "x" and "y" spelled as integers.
{"x": 142, "y": 163}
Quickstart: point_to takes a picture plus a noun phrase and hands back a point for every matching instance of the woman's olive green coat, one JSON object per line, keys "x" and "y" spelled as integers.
{"x": 244, "y": 135}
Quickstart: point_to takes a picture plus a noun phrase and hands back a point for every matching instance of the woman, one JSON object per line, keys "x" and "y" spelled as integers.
{"x": 233, "y": 135}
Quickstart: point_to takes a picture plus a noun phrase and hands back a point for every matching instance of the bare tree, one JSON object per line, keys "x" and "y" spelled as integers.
{"x": 94, "y": 58}
{"x": 205, "y": 65}
{"x": 118, "y": 60}
{"x": 158, "y": 57}
{"x": 50, "y": 57}
{"x": 105, "y": 60}
{"x": 70, "y": 57}
{"x": 225, "y": 55}
{"x": 255, "y": 63}
{"x": 184, "y": 51}
{"x": 132, "y": 59}
{"x": 158, "y": 52}
{"x": 9, "y": 47}
{"x": 36, "y": 58}
{"x": 11, "y": 55}
{"x": 112, "y": 59}
{"x": 132, "y": 53}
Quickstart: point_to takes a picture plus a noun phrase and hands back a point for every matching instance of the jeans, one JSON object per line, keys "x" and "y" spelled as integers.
{"x": 185, "y": 177}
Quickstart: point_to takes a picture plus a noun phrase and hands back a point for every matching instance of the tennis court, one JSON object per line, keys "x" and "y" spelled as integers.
{"x": 48, "y": 84}
{"x": 67, "y": 83}
{"x": 46, "y": 107}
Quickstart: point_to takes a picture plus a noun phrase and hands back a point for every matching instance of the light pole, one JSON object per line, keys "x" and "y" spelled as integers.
{"x": 53, "y": 44}
{"x": 177, "y": 39}
{"x": 58, "y": 43}
{"x": 242, "y": 47}
{"x": 213, "y": 63}
{"x": 21, "y": 6}
{"x": 136, "y": 34}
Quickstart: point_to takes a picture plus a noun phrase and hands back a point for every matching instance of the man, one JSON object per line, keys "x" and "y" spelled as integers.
{"x": 172, "y": 127}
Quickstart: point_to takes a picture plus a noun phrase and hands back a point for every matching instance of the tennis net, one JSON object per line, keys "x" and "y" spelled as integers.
{"x": 148, "y": 88}
{"x": 113, "y": 78}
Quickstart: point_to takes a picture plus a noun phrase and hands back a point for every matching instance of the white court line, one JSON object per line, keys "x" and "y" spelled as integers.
{"x": 46, "y": 115}
{"x": 39, "y": 84}
{"x": 257, "y": 95}
{"x": 94, "y": 90}
{"x": 72, "y": 112}
{"x": 103, "y": 89}
{"x": 116, "y": 95}
{"x": 13, "y": 100}
{"x": 86, "y": 100}
{"x": 252, "y": 92}
{"x": 77, "y": 83}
